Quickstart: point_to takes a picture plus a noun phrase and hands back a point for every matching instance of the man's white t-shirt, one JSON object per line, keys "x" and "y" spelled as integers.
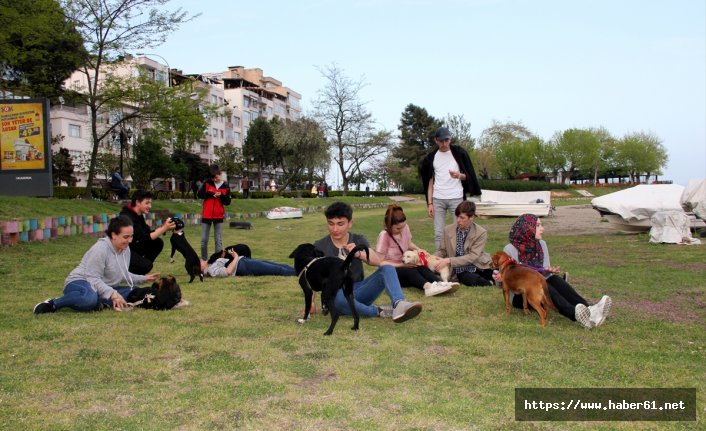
{"x": 446, "y": 187}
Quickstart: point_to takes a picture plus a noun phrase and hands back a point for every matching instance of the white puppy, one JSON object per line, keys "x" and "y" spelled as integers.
{"x": 418, "y": 257}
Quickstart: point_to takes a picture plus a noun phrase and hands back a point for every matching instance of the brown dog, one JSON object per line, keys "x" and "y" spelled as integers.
{"x": 526, "y": 282}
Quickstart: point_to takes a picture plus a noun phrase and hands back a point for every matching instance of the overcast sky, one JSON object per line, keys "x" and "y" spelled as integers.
{"x": 626, "y": 65}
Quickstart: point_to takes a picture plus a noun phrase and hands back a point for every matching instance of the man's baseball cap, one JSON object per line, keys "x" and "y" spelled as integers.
{"x": 442, "y": 133}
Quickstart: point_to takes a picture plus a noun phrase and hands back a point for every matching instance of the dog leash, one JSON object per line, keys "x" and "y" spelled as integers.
{"x": 423, "y": 258}
{"x": 148, "y": 297}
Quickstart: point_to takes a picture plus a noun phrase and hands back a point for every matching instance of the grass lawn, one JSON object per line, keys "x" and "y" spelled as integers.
{"x": 237, "y": 359}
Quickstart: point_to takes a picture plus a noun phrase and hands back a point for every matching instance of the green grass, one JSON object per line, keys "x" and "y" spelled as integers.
{"x": 236, "y": 358}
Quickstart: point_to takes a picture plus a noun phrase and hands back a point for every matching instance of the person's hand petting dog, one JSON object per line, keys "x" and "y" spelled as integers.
{"x": 152, "y": 277}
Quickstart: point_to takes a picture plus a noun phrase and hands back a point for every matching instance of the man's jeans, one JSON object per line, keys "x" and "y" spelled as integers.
{"x": 441, "y": 206}
{"x": 217, "y": 234}
{"x": 247, "y": 266}
{"x": 365, "y": 292}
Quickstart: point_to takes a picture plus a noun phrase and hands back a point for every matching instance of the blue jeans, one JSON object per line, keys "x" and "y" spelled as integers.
{"x": 217, "y": 236}
{"x": 366, "y": 291}
{"x": 79, "y": 295}
{"x": 441, "y": 207}
{"x": 248, "y": 266}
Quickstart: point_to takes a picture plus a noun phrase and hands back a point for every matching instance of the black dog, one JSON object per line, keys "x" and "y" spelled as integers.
{"x": 164, "y": 294}
{"x": 326, "y": 275}
{"x": 240, "y": 249}
{"x": 192, "y": 263}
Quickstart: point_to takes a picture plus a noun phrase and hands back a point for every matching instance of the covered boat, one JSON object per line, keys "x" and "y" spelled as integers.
{"x": 513, "y": 204}
{"x": 630, "y": 210}
{"x": 284, "y": 212}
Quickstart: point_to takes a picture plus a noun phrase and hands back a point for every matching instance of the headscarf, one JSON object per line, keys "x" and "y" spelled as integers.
{"x": 522, "y": 236}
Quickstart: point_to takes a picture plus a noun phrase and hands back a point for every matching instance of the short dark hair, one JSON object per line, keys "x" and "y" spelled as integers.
{"x": 338, "y": 210}
{"x": 214, "y": 170}
{"x": 116, "y": 224}
{"x": 140, "y": 195}
{"x": 466, "y": 207}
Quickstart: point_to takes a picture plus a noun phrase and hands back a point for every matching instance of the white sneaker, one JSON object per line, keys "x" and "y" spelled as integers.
{"x": 583, "y": 316}
{"x": 600, "y": 310}
{"x": 438, "y": 287}
{"x": 404, "y": 311}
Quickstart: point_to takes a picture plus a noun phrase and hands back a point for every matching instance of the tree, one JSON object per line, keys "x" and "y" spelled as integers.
{"x": 367, "y": 149}
{"x": 230, "y": 159}
{"x": 110, "y": 28}
{"x": 149, "y": 162}
{"x": 39, "y": 48}
{"x": 342, "y": 116}
{"x": 498, "y": 133}
{"x": 580, "y": 150}
{"x": 641, "y": 153}
{"x": 301, "y": 147}
{"x": 259, "y": 145}
{"x": 514, "y": 158}
{"x": 417, "y": 130}
{"x": 62, "y": 168}
{"x": 188, "y": 167}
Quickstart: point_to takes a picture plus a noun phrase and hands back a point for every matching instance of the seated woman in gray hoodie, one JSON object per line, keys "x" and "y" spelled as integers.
{"x": 102, "y": 277}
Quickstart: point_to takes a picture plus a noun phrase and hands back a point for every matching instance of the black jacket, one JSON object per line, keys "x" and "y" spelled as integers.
{"x": 470, "y": 184}
{"x": 141, "y": 230}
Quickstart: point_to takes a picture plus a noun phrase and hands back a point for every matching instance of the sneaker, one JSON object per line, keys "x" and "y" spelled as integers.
{"x": 405, "y": 310}
{"x": 439, "y": 287}
{"x": 600, "y": 310}
{"x": 46, "y": 306}
{"x": 583, "y": 316}
{"x": 385, "y": 311}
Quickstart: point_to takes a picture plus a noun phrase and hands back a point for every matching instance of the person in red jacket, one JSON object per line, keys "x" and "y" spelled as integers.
{"x": 215, "y": 194}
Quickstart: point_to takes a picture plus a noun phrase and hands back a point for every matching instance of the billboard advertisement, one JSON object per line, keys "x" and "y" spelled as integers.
{"x": 25, "y": 148}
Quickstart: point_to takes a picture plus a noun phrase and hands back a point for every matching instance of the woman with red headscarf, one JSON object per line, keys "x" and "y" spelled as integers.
{"x": 528, "y": 248}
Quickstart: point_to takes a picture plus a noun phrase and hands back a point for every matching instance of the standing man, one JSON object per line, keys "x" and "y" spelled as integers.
{"x": 245, "y": 187}
{"x": 447, "y": 176}
{"x": 146, "y": 243}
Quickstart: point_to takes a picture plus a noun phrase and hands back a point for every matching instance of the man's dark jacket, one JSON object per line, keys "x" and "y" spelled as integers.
{"x": 470, "y": 184}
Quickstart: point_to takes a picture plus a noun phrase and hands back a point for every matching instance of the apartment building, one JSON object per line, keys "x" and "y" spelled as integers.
{"x": 245, "y": 93}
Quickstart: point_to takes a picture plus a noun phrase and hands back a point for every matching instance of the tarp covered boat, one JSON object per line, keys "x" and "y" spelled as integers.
{"x": 284, "y": 213}
{"x": 513, "y": 204}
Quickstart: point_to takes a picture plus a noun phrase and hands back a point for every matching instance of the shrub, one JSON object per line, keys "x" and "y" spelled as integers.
{"x": 62, "y": 192}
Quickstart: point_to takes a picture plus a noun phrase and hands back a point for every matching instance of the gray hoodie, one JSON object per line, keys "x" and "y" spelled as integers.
{"x": 105, "y": 268}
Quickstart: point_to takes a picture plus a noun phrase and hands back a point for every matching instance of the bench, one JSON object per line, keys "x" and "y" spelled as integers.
{"x": 104, "y": 184}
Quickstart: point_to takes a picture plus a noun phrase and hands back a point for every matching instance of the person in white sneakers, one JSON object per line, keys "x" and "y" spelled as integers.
{"x": 338, "y": 243}
{"x": 393, "y": 241}
{"x": 528, "y": 248}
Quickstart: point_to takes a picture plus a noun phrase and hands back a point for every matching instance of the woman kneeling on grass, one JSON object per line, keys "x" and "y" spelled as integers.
{"x": 528, "y": 248}
{"x": 242, "y": 265}
{"x": 393, "y": 241}
{"x": 97, "y": 281}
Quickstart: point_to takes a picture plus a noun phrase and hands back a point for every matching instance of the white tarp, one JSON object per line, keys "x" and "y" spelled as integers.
{"x": 671, "y": 227}
{"x": 640, "y": 202}
{"x": 694, "y": 198}
{"x": 494, "y": 196}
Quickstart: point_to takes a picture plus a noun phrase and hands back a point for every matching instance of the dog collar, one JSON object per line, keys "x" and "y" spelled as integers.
{"x": 423, "y": 258}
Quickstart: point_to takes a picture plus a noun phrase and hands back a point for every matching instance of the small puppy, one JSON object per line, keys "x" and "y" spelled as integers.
{"x": 164, "y": 294}
{"x": 526, "y": 282}
{"x": 192, "y": 263}
{"x": 419, "y": 257}
{"x": 326, "y": 275}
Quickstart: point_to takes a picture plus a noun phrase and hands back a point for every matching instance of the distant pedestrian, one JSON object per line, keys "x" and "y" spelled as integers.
{"x": 216, "y": 194}
{"x": 245, "y": 187}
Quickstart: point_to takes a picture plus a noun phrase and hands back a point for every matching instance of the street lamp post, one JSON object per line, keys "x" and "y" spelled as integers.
{"x": 123, "y": 136}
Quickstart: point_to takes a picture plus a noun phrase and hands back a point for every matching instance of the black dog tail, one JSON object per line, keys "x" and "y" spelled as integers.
{"x": 351, "y": 256}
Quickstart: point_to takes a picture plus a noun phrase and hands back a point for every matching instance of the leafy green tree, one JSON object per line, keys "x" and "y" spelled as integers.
{"x": 417, "y": 129}
{"x": 62, "y": 168}
{"x": 110, "y": 28}
{"x": 230, "y": 159}
{"x": 149, "y": 162}
{"x": 188, "y": 168}
{"x": 642, "y": 153}
{"x": 514, "y": 158}
{"x": 498, "y": 133}
{"x": 39, "y": 48}
{"x": 580, "y": 149}
{"x": 259, "y": 145}
{"x": 301, "y": 147}
{"x": 342, "y": 116}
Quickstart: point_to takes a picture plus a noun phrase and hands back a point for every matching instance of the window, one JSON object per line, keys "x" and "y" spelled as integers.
{"x": 75, "y": 156}
{"x": 215, "y": 133}
{"x": 221, "y": 134}
{"x": 74, "y": 131}
{"x": 214, "y": 99}
{"x": 204, "y": 149}
{"x": 236, "y": 136}
{"x": 236, "y": 121}
{"x": 246, "y": 101}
